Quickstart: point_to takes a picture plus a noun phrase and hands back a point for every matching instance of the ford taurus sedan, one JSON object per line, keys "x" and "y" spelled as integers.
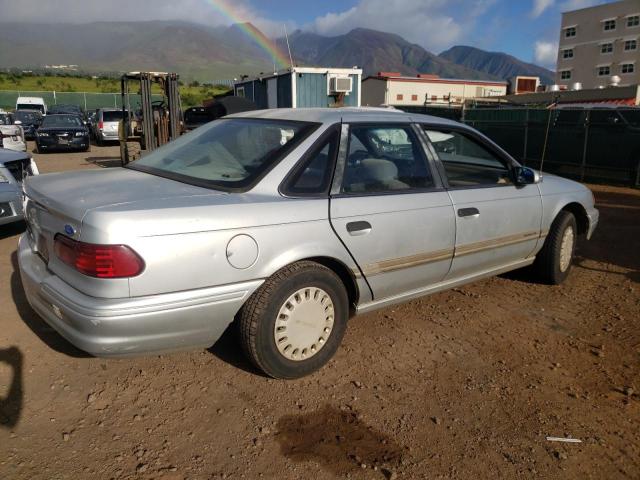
{"x": 288, "y": 222}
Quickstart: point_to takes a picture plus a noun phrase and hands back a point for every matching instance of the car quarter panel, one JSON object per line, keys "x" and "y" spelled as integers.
{"x": 187, "y": 245}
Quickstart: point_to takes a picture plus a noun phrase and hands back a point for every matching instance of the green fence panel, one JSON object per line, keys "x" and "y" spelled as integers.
{"x": 86, "y": 100}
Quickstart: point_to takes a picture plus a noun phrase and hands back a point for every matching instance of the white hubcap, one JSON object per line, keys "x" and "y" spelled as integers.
{"x": 566, "y": 249}
{"x": 304, "y": 323}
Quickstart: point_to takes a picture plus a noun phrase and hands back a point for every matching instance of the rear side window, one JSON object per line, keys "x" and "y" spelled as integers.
{"x": 112, "y": 116}
{"x": 385, "y": 158}
{"x": 314, "y": 173}
{"x": 466, "y": 161}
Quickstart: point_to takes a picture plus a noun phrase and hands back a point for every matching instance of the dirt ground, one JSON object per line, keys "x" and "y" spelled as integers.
{"x": 462, "y": 384}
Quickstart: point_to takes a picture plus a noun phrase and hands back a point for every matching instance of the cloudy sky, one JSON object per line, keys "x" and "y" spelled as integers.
{"x": 527, "y": 29}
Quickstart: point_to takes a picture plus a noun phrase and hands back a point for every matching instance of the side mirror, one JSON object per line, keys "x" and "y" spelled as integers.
{"x": 17, "y": 122}
{"x": 526, "y": 176}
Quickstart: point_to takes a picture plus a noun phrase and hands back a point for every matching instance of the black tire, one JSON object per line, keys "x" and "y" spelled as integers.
{"x": 257, "y": 319}
{"x": 99, "y": 141}
{"x": 38, "y": 149}
{"x": 547, "y": 264}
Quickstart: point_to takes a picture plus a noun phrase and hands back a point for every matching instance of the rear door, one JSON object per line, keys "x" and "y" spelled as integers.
{"x": 390, "y": 210}
{"x": 497, "y": 222}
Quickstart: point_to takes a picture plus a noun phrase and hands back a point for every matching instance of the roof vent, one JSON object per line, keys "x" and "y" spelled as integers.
{"x": 554, "y": 88}
{"x": 576, "y": 86}
{"x": 614, "y": 81}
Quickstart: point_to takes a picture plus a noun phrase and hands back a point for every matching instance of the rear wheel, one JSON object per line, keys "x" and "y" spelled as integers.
{"x": 294, "y": 323}
{"x": 554, "y": 261}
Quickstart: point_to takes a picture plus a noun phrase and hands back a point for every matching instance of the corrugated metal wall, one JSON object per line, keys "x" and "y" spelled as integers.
{"x": 256, "y": 91}
{"x": 311, "y": 91}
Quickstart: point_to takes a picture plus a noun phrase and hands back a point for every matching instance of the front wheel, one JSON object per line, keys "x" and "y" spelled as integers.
{"x": 294, "y": 323}
{"x": 554, "y": 261}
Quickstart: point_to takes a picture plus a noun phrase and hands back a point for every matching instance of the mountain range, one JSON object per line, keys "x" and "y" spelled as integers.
{"x": 207, "y": 53}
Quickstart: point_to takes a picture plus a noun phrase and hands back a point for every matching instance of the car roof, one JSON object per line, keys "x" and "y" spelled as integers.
{"x": 346, "y": 114}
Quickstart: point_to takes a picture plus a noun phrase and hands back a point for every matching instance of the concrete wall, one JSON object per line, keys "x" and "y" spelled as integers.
{"x": 410, "y": 92}
{"x": 586, "y": 45}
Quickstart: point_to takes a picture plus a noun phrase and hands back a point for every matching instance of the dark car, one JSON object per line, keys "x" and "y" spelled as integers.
{"x": 30, "y": 121}
{"x": 197, "y": 116}
{"x": 62, "y": 131}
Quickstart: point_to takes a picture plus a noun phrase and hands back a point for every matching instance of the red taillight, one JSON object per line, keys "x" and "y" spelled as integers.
{"x": 101, "y": 261}
{"x": 100, "y": 125}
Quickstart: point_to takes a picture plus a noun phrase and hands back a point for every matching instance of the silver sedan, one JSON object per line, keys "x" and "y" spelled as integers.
{"x": 286, "y": 223}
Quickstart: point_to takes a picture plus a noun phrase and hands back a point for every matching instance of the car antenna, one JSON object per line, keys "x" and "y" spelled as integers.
{"x": 286, "y": 36}
{"x": 546, "y": 135}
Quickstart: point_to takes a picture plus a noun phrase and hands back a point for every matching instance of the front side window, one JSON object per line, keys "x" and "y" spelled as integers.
{"x": 604, "y": 71}
{"x": 606, "y": 48}
{"x": 630, "y": 45}
{"x": 570, "y": 32}
{"x": 466, "y": 162}
{"x": 609, "y": 25}
{"x": 385, "y": 159}
{"x": 225, "y": 154}
{"x": 565, "y": 75}
{"x": 567, "y": 53}
{"x": 633, "y": 21}
{"x": 627, "y": 68}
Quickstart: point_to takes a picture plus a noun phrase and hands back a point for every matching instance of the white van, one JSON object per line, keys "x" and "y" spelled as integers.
{"x": 31, "y": 103}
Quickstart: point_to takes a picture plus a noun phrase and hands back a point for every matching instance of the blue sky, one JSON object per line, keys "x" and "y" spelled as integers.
{"x": 527, "y": 29}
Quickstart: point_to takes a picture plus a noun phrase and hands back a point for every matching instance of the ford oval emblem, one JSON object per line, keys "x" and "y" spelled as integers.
{"x": 69, "y": 230}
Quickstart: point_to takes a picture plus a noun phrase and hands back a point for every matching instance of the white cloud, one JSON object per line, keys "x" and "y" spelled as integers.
{"x": 546, "y": 53}
{"x": 539, "y": 6}
{"x": 425, "y": 22}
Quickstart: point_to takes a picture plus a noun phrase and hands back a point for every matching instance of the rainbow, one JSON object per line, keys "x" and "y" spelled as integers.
{"x": 229, "y": 11}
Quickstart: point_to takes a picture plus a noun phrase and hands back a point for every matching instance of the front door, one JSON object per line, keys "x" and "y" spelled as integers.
{"x": 390, "y": 211}
{"x": 497, "y": 222}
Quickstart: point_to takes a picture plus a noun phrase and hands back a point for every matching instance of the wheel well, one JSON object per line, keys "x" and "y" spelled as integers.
{"x": 345, "y": 275}
{"x": 580, "y": 213}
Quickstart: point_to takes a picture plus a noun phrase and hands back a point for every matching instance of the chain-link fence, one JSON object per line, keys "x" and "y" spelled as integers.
{"x": 86, "y": 100}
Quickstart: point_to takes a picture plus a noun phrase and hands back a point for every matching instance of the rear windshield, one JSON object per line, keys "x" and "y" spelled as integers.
{"x": 226, "y": 154}
{"x": 30, "y": 106}
{"x": 197, "y": 116}
{"x": 112, "y": 116}
{"x": 61, "y": 121}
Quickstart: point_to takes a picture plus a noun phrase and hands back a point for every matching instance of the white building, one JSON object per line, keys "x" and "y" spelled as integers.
{"x": 391, "y": 88}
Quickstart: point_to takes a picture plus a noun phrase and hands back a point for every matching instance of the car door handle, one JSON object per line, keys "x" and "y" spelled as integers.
{"x": 468, "y": 212}
{"x": 358, "y": 228}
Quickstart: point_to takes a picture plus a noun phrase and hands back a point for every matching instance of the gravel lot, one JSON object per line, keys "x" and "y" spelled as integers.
{"x": 462, "y": 384}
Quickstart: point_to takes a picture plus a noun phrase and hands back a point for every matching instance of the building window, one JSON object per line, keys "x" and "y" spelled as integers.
{"x": 606, "y": 48}
{"x": 565, "y": 75}
{"x": 604, "y": 71}
{"x": 434, "y": 98}
{"x": 399, "y": 96}
{"x": 630, "y": 45}
{"x": 633, "y": 21}
{"x": 570, "y": 32}
{"x": 567, "y": 53}
{"x": 627, "y": 68}
{"x": 609, "y": 25}
{"x": 414, "y": 98}
{"x": 240, "y": 92}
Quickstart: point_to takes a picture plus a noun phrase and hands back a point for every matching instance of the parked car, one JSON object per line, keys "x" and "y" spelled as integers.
{"x": 11, "y": 134}
{"x": 106, "y": 125}
{"x": 195, "y": 117}
{"x": 62, "y": 132}
{"x": 288, "y": 221}
{"x": 29, "y": 120}
{"x": 31, "y": 103}
{"x": 14, "y": 167}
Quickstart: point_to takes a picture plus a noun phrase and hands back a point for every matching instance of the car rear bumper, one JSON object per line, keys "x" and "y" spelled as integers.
{"x": 108, "y": 136}
{"x": 129, "y": 326}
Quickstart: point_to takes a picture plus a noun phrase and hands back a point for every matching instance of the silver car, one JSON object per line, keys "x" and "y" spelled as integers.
{"x": 14, "y": 168}
{"x": 287, "y": 222}
{"x": 105, "y": 125}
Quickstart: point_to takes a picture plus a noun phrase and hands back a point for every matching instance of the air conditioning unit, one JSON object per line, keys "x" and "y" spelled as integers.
{"x": 340, "y": 85}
